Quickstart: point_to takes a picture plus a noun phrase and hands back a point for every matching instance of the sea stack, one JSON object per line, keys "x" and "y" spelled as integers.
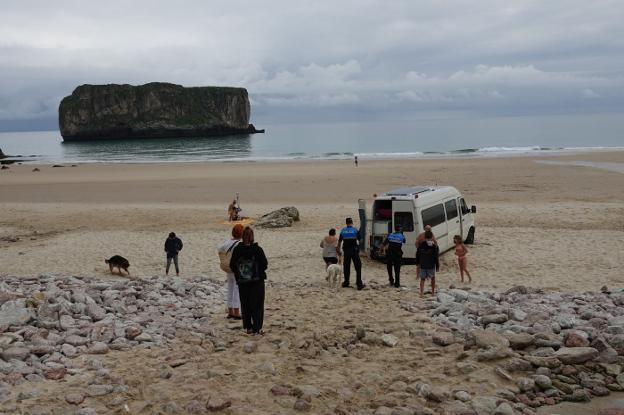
{"x": 154, "y": 110}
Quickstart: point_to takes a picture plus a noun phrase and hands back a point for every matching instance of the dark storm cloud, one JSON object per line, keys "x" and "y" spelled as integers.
{"x": 376, "y": 58}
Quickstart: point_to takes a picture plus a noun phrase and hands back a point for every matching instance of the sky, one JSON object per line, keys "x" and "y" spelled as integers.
{"x": 322, "y": 60}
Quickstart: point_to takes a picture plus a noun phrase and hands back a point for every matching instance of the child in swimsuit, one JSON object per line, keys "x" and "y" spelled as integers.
{"x": 462, "y": 260}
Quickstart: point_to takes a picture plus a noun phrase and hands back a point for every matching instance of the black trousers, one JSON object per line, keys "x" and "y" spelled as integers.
{"x": 252, "y": 305}
{"x": 394, "y": 261}
{"x": 175, "y": 262}
{"x": 357, "y": 264}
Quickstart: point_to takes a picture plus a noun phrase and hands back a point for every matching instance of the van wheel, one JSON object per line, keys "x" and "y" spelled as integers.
{"x": 470, "y": 238}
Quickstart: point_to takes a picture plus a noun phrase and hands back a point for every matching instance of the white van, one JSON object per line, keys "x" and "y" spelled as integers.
{"x": 441, "y": 207}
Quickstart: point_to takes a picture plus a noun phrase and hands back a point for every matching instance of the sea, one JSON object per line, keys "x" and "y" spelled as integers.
{"x": 440, "y": 137}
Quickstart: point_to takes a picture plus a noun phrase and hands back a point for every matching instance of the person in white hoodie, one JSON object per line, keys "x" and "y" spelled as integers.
{"x": 225, "y": 254}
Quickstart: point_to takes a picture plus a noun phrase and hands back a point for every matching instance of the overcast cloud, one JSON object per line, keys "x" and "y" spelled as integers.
{"x": 322, "y": 60}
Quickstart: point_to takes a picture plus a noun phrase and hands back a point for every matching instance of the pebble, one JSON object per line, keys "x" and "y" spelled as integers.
{"x": 74, "y": 398}
{"x": 389, "y": 340}
{"x": 250, "y": 347}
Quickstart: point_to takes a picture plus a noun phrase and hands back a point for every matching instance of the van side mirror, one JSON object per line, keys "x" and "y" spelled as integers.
{"x": 473, "y": 209}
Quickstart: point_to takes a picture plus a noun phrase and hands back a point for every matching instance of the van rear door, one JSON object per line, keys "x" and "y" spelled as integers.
{"x": 403, "y": 215}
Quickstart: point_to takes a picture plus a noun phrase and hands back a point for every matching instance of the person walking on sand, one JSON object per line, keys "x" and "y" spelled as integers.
{"x": 225, "y": 255}
{"x": 356, "y": 161}
{"x": 249, "y": 265}
{"x": 173, "y": 245}
{"x": 348, "y": 245}
{"x": 427, "y": 259}
{"x": 462, "y": 260}
{"x": 331, "y": 254}
{"x": 394, "y": 255}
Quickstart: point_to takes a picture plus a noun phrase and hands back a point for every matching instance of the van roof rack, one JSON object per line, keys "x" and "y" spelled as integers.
{"x": 409, "y": 191}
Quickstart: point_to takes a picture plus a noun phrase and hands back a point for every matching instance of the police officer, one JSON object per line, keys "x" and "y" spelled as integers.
{"x": 394, "y": 255}
{"x": 348, "y": 244}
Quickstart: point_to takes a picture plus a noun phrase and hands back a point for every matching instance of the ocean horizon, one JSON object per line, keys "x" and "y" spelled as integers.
{"x": 435, "y": 138}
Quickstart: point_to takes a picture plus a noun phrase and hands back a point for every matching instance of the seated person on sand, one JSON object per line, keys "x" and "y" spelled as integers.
{"x": 233, "y": 211}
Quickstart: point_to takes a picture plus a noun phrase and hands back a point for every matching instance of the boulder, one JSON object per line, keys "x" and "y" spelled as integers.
{"x": 488, "y": 339}
{"x": 15, "y": 313}
{"x": 280, "y": 218}
{"x": 520, "y": 340}
{"x": 576, "y": 355}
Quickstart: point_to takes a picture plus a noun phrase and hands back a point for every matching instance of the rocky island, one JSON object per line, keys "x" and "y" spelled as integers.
{"x": 153, "y": 110}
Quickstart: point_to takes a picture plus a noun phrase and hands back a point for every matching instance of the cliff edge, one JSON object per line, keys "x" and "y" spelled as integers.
{"x": 154, "y": 110}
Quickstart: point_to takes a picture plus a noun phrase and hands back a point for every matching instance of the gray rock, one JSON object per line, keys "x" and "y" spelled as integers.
{"x": 75, "y": 398}
{"x": 494, "y": 319}
{"x": 543, "y": 382}
{"x": 67, "y": 322}
{"x": 86, "y": 411}
{"x": 445, "y": 298}
{"x": 525, "y": 384}
{"x": 98, "y": 348}
{"x": 484, "y": 405}
{"x": 443, "y": 338}
{"x": 462, "y": 396}
{"x": 76, "y": 340}
{"x": 280, "y": 218}
{"x": 15, "y": 313}
{"x": 389, "y": 340}
{"x": 520, "y": 341}
{"x": 143, "y": 337}
{"x": 15, "y": 352}
{"x": 96, "y": 312}
{"x": 99, "y": 390}
{"x": 488, "y": 339}
{"x": 576, "y": 355}
{"x": 250, "y": 347}
{"x": 504, "y": 409}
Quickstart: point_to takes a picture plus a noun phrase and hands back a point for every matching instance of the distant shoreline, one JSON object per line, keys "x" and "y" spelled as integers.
{"x": 465, "y": 154}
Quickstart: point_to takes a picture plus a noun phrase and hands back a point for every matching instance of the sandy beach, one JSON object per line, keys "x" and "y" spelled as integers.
{"x": 557, "y": 226}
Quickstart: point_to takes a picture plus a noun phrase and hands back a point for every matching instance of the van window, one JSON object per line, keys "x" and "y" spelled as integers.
{"x": 451, "y": 209}
{"x": 405, "y": 219}
{"x": 383, "y": 210}
{"x": 433, "y": 216}
{"x": 464, "y": 208}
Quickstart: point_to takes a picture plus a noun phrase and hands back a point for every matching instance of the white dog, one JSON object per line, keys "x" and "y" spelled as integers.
{"x": 334, "y": 274}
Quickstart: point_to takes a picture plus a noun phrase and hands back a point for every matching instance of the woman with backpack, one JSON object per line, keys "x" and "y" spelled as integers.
{"x": 225, "y": 255}
{"x": 249, "y": 265}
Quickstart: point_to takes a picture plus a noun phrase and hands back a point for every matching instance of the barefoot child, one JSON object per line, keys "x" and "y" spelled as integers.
{"x": 461, "y": 251}
{"x": 428, "y": 262}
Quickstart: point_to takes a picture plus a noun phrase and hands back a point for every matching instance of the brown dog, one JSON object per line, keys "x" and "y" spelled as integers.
{"x": 119, "y": 262}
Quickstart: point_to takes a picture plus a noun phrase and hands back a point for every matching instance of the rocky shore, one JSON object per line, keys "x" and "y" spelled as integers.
{"x": 49, "y": 325}
{"x": 494, "y": 353}
{"x": 549, "y": 347}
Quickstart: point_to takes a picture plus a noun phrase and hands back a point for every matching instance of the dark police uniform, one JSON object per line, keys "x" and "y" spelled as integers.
{"x": 394, "y": 256}
{"x": 349, "y": 236}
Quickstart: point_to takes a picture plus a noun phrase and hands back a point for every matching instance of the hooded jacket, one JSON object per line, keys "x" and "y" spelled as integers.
{"x": 251, "y": 256}
{"x": 427, "y": 256}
